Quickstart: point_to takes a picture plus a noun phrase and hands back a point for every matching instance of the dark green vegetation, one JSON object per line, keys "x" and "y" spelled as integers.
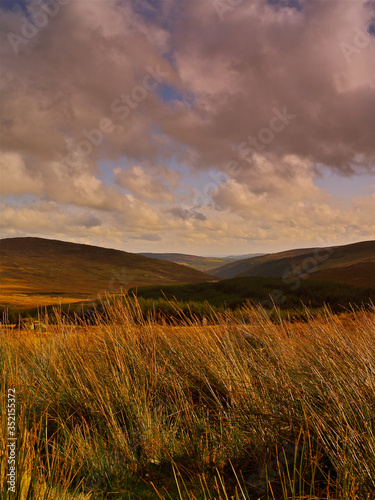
{"x": 131, "y": 409}
{"x": 233, "y": 293}
{"x": 351, "y": 264}
{"x": 36, "y": 265}
{"x": 167, "y": 302}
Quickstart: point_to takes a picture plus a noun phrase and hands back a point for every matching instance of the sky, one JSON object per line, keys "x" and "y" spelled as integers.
{"x": 208, "y": 127}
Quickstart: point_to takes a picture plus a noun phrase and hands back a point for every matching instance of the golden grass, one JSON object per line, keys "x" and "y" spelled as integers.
{"x": 33, "y": 301}
{"x": 234, "y": 409}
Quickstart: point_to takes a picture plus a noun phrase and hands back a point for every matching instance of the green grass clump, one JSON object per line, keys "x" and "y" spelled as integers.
{"x": 241, "y": 407}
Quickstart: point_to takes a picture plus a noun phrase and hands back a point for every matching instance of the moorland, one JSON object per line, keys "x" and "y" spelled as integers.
{"x": 185, "y": 385}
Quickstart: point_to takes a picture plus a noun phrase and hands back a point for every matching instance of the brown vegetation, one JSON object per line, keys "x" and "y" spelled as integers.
{"x": 240, "y": 408}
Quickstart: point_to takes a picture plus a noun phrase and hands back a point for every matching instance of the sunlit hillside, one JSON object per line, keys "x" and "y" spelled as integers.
{"x": 49, "y": 271}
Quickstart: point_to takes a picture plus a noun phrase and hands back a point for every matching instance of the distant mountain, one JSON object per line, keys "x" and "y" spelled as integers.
{"x": 242, "y": 257}
{"x": 42, "y": 266}
{"x": 194, "y": 261}
{"x": 353, "y": 264}
{"x": 205, "y": 264}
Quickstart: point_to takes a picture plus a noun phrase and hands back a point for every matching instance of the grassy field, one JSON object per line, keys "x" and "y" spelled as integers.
{"x": 170, "y": 302}
{"x": 240, "y": 408}
{"x": 24, "y": 301}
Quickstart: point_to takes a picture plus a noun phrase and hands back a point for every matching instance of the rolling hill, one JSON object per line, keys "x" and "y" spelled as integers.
{"x": 238, "y": 267}
{"x": 42, "y": 266}
{"x": 352, "y": 264}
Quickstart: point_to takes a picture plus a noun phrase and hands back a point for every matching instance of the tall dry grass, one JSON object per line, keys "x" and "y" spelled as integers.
{"x": 237, "y": 408}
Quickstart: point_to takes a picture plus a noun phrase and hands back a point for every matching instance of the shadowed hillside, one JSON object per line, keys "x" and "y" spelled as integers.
{"x": 352, "y": 264}
{"x": 234, "y": 269}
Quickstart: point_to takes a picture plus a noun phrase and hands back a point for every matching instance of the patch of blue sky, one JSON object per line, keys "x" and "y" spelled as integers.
{"x": 156, "y": 130}
{"x": 292, "y": 4}
{"x": 106, "y": 171}
{"x": 195, "y": 185}
{"x": 153, "y": 11}
{"x": 107, "y": 176}
{"x": 191, "y": 182}
{"x": 346, "y": 187}
{"x": 168, "y": 94}
{"x": 148, "y": 9}
{"x": 15, "y": 5}
{"x": 371, "y": 28}
{"x": 21, "y": 199}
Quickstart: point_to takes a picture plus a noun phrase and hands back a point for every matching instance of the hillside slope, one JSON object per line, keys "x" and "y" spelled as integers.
{"x": 352, "y": 264}
{"x": 234, "y": 269}
{"x": 37, "y": 265}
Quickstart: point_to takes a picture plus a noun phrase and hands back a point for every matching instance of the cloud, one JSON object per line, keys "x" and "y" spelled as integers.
{"x": 16, "y": 178}
{"x": 63, "y": 84}
{"x": 224, "y": 84}
{"x": 147, "y": 237}
{"x": 260, "y": 58}
{"x": 143, "y": 184}
{"x": 51, "y": 219}
{"x": 263, "y": 58}
{"x": 268, "y": 189}
{"x": 184, "y": 214}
